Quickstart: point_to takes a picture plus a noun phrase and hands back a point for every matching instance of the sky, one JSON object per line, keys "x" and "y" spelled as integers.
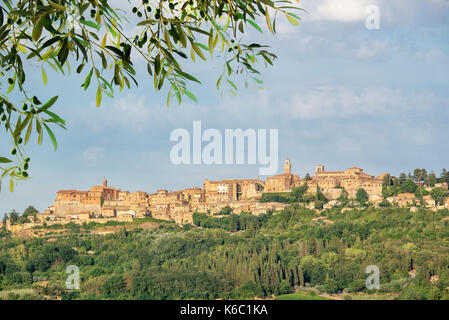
{"x": 339, "y": 94}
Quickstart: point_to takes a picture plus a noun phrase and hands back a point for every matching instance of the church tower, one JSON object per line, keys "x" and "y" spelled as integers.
{"x": 287, "y": 166}
{"x": 105, "y": 182}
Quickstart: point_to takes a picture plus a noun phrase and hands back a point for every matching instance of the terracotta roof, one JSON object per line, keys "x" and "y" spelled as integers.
{"x": 96, "y": 188}
{"x": 232, "y": 181}
{"x": 325, "y": 172}
{"x": 282, "y": 175}
{"x": 68, "y": 191}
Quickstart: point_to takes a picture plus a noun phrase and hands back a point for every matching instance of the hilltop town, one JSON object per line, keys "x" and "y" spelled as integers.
{"x": 103, "y": 203}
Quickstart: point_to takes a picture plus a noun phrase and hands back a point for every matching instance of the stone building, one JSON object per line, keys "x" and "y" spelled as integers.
{"x": 239, "y": 194}
{"x": 284, "y": 182}
{"x": 332, "y": 183}
{"x": 74, "y": 201}
{"x": 108, "y": 212}
{"x": 403, "y": 199}
{"x": 232, "y": 190}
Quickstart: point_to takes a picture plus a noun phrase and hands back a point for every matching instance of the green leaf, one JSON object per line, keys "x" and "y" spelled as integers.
{"x": 84, "y": 7}
{"x": 117, "y": 74}
{"x": 214, "y": 44}
{"x": 37, "y": 30}
{"x": 4, "y": 160}
{"x": 144, "y": 22}
{"x": 20, "y": 126}
{"x": 52, "y": 136}
{"x": 98, "y": 100}
{"x": 55, "y": 117}
{"x": 255, "y": 25}
{"x": 190, "y": 95}
{"x": 232, "y": 84}
{"x": 218, "y": 81}
{"x": 44, "y": 76}
{"x": 28, "y": 133}
{"x": 11, "y": 185}
{"x": 202, "y": 46}
{"x": 211, "y": 41}
{"x": 48, "y": 104}
{"x": 188, "y": 76}
{"x": 257, "y": 80}
{"x": 241, "y": 27}
{"x": 115, "y": 50}
{"x": 11, "y": 87}
{"x": 157, "y": 65}
{"x": 87, "y": 80}
{"x": 267, "y": 17}
{"x": 178, "y": 95}
{"x": 182, "y": 35}
{"x": 198, "y": 51}
{"x": 56, "y": 6}
{"x": 268, "y": 2}
{"x": 39, "y": 131}
{"x": 291, "y": 19}
{"x": 90, "y": 24}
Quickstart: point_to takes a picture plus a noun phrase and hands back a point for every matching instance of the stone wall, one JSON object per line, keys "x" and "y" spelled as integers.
{"x": 64, "y": 208}
{"x": 332, "y": 193}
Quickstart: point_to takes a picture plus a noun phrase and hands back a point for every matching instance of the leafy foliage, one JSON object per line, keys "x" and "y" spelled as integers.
{"x": 362, "y": 196}
{"x": 270, "y": 254}
{"x": 90, "y": 34}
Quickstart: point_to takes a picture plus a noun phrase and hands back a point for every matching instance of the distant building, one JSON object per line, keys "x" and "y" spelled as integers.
{"x": 403, "y": 199}
{"x": 241, "y": 195}
{"x": 332, "y": 183}
{"x": 74, "y": 201}
{"x": 284, "y": 182}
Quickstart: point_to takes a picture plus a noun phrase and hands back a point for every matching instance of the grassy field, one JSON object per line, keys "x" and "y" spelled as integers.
{"x": 20, "y": 292}
{"x": 300, "y": 296}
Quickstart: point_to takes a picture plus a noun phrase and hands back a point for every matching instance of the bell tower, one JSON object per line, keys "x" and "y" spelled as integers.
{"x": 287, "y": 166}
{"x": 105, "y": 182}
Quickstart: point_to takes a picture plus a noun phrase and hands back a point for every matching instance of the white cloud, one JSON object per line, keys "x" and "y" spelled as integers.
{"x": 93, "y": 156}
{"x": 130, "y": 112}
{"x": 397, "y": 12}
{"x": 375, "y": 49}
{"x": 340, "y": 10}
{"x": 135, "y": 114}
{"x": 342, "y": 102}
{"x": 320, "y": 44}
{"x": 434, "y": 54}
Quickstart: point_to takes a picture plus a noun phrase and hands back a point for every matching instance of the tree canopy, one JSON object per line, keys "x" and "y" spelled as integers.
{"x": 238, "y": 257}
{"x": 362, "y": 196}
{"x": 91, "y": 36}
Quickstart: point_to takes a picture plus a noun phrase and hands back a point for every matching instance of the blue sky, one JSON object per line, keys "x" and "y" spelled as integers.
{"x": 340, "y": 95}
